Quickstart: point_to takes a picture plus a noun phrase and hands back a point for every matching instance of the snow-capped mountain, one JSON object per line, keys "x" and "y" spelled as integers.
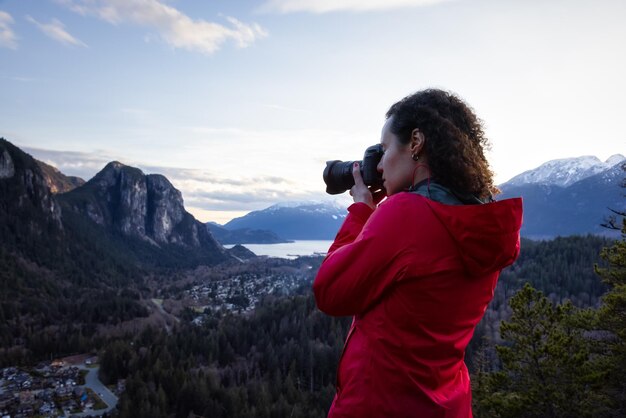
{"x": 569, "y": 196}
{"x": 296, "y": 220}
{"x": 566, "y": 171}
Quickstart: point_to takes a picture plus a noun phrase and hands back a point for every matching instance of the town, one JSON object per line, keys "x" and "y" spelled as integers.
{"x": 61, "y": 388}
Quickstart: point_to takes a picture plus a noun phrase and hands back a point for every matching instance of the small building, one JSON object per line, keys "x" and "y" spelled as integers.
{"x": 27, "y": 397}
{"x": 91, "y": 360}
{"x": 46, "y": 408}
{"x": 6, "y": 399}
{"x": 58, "y": 363}
{"x": 79, "y": 391}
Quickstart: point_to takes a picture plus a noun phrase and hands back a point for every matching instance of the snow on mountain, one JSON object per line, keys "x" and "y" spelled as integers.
{"x": 330, "y": 206}
{"x": 296, "y": 220}
{"x": 566, "y": 171}
{"x": 615, "y": 159}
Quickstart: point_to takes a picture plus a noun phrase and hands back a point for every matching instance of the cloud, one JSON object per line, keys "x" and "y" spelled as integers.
{"x": 207, "y": 190}
{"x": 71, "y": 163}
{"x": 174, "y": 27}
{"x": 326, "y": 6}
{"x": 56, "y": 30}
{"x": 8, "y": 39}
{"x": 202, "y": 189}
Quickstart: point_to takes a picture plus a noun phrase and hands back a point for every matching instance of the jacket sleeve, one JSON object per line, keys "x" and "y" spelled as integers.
{"x": 359, "y": 213}
{"x": 357, "y": 270}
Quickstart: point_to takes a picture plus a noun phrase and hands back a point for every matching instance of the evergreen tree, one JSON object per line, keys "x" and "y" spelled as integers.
{"x": 546, "y": 367}
{"x": 612, "y": 318}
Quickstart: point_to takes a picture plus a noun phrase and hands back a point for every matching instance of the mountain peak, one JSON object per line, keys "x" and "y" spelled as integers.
{"x": 614, "y": 159}
{"x": 122, "y": 198}
{"x": 57, "y": 181}
{"x": 115, "y": 165}
{"x": 565, "y": 171}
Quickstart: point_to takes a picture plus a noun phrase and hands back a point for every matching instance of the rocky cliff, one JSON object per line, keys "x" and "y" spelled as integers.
{"x": 148, "y": 207}
{"x": 58, "y": 182}
{"x": 24, "y": 193}
{"x": 120, "y": 217}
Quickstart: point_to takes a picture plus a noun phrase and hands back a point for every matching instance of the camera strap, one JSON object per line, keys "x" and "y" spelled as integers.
{"x": 441, "y": 194}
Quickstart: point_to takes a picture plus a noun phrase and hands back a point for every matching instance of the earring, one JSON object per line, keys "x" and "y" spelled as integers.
{"x": 415, "y": 156}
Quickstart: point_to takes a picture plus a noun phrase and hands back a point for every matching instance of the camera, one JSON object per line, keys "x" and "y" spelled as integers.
{"x": 338, "y": 174}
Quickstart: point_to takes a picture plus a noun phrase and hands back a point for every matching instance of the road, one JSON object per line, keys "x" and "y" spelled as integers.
{"x": 166, "y": 316}
{"x": 92, "y": 382}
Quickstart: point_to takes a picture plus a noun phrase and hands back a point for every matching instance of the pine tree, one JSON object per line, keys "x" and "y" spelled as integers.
{"x": 612, "y": 318}
{"x": 546, "y": 368}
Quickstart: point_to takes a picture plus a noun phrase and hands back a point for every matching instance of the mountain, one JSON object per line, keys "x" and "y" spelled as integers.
{"x": 566, "y": 171}
{"x": 53, "y": 274}
{"x": 121, "y": 217}
{"x": 243, "y": 236}
{"x": 77, "y": 263}
{"x": 295, "y": 221}
{"x": 147, "y": 213}
{"x": 58, "y": 182}
{"x": 569, "y": 196}
{"x": 28, "y": 210}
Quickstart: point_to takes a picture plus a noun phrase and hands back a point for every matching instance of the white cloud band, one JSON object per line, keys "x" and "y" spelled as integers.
{"x": 174, "y": 27}
{"x": 56, "y": 30}
{"x": 326, "y": 6}
{"x": 8, "y": 39}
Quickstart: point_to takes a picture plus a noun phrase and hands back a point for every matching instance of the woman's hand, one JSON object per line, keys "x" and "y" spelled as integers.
{"x": 362, "y": 193}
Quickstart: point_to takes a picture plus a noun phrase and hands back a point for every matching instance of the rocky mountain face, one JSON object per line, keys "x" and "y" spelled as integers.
{"x": 132, "y": 217}
{"x": 58, "y": 182}
{"x": 26, "y": 202}
{"x": 147, "y": 207}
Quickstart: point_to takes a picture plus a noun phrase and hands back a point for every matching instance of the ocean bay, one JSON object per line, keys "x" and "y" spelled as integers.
{"x": 289, "y": 249}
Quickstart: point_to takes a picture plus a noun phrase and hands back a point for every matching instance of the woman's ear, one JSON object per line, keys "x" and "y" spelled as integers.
{"x": 417, "y": 141}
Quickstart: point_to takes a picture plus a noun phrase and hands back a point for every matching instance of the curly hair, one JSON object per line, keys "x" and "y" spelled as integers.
{"x": 454, "y": 139}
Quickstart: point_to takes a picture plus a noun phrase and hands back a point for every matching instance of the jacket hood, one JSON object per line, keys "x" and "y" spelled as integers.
{"x": 487, "y": 235}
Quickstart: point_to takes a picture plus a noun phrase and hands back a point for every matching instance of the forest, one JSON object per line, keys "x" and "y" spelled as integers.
{"x": 549, "y": 337}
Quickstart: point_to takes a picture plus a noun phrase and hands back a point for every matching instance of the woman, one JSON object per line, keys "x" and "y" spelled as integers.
{"x": 417, "y": 271}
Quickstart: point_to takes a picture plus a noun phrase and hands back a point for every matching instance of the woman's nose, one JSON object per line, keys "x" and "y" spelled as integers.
{"x": 379, "y": 167}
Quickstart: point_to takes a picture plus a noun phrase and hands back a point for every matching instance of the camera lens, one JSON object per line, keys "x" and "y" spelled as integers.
{"x": 338, "y": 176}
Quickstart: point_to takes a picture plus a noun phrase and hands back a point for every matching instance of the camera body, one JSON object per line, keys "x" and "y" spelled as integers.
{"x": 338, "y": 174}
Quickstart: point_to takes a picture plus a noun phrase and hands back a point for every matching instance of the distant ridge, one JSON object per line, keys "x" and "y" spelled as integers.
{"x": 565, "y": 171}
{"x": 569, "y": 196}
{"x": 243, "y": 236}
{"x": 295, "y": 221}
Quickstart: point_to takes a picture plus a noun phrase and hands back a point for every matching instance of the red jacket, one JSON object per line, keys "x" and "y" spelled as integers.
{"x": 417, "y": 275}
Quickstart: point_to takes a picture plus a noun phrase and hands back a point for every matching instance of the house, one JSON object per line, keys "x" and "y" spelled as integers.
{"x": 46, "y": 408}
{"x": 27, "y": 397}
{"x": 6, "y": 399}
{"x": 91, "y": 360}
{"x": 63, "y": 391}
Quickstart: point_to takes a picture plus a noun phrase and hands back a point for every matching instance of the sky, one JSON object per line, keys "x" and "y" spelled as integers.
{"x": 240, "y": 103}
